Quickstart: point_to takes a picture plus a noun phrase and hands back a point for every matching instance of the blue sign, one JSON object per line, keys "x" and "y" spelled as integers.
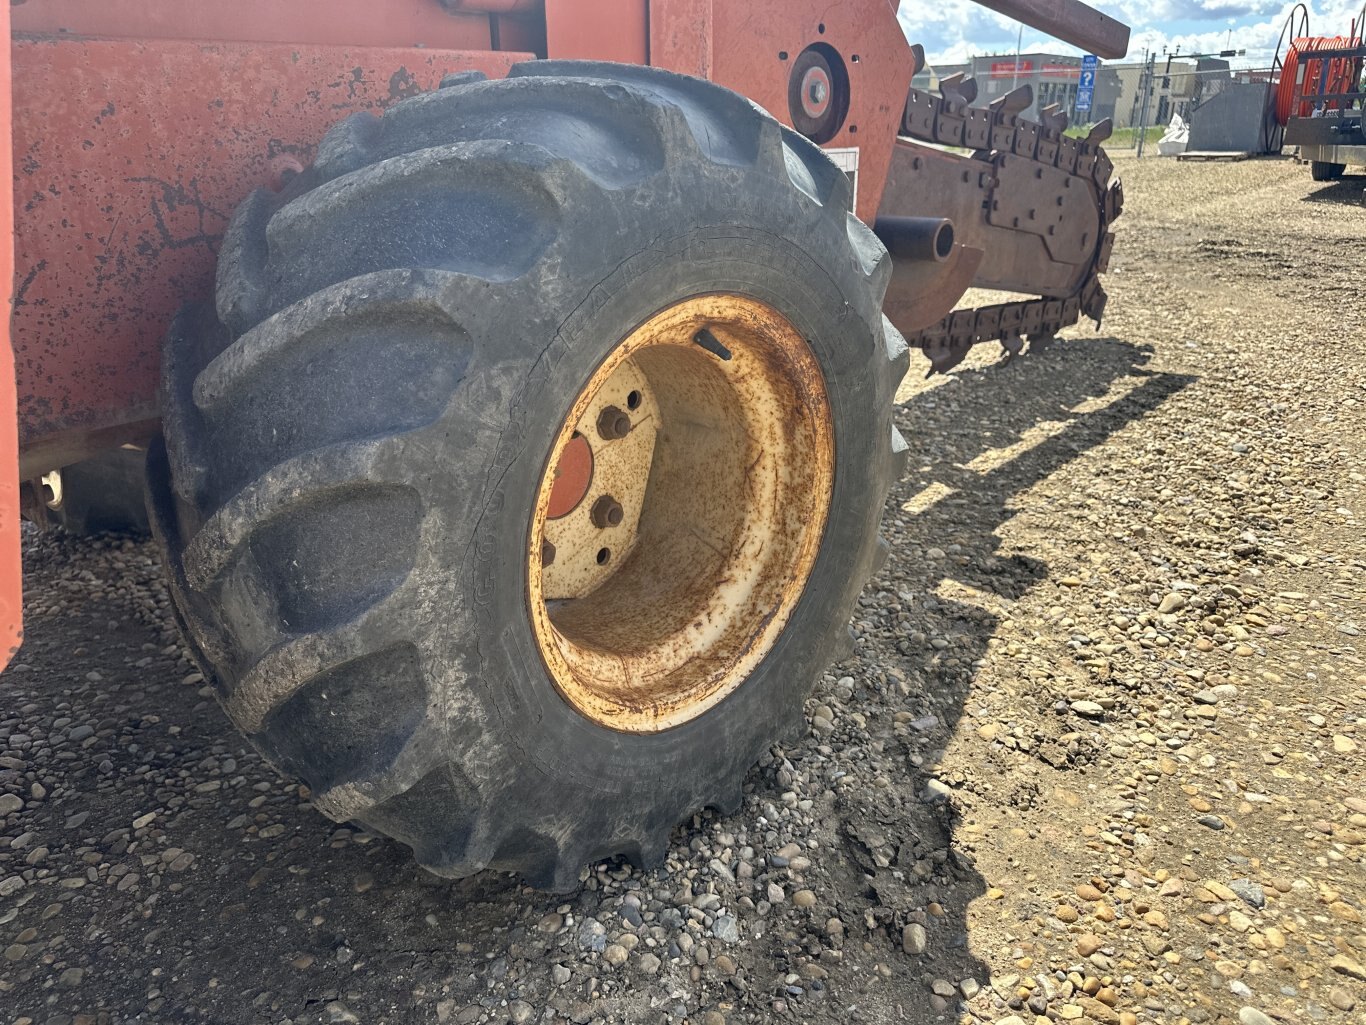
{"x": 1086, "y": 82}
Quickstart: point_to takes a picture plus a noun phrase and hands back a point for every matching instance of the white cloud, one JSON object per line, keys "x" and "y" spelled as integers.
{"x": 954, "y": 30}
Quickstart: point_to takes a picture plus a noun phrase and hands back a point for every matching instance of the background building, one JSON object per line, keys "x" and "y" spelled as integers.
{"x": 1179, "y": 85}
{"x": 1052, "y": 76}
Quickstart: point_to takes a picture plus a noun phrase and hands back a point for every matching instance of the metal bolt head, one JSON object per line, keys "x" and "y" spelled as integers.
{"x": 613, "y": 424}
{"x": 606, "y": 512}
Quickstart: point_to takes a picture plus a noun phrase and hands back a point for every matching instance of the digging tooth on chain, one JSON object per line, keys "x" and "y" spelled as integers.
{"x": 949, "y": 120}
{"x": 959, "y": 88}
{"x": 1054, "y": 118}
{"x": 917, "y": 58}
{"x": 1013, "y": 103}
{"x": 1100, "y": 131}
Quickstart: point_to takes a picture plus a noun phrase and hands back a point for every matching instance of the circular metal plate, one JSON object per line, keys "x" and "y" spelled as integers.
{"x": 721, "y": 486}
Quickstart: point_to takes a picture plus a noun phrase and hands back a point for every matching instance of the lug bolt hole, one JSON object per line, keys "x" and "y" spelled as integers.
{"x": 633, "y": 400}
{"x": 603, "y": 555}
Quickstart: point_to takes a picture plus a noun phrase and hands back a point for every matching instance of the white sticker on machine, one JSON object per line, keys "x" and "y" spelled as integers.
{"x": 846, "y": 159}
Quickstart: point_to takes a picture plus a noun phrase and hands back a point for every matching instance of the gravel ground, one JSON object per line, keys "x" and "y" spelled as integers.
{"x": 1098, "y": 756}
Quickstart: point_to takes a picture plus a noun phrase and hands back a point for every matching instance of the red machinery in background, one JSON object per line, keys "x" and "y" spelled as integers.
{"x": 1320, "y": 96}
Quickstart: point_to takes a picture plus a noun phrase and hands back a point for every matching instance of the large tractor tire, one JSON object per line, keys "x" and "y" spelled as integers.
{"x": 1326, "y": 171}
{"x": 524, "y": 480}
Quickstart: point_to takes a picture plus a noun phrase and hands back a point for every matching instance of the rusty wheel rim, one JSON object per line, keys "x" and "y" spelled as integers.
{"x": 664, "y": 562}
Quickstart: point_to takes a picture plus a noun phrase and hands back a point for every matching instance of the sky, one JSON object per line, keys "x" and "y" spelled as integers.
{"x": 954, "y": 30}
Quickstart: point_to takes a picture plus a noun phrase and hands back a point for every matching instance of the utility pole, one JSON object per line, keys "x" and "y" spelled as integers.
{"x": 1015, "y": 76}
{"x": 1166, "y": 90}
{"x": 1147, "y": 81}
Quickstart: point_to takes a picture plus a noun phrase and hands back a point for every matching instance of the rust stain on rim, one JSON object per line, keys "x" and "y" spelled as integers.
{"x": 722, "y": 485}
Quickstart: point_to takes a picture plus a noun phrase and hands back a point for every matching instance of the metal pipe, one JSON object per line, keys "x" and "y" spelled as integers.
{"x": 916, "y": 238}
{"x": 1149, "y": 71}
{"x": 1071, "y": 21}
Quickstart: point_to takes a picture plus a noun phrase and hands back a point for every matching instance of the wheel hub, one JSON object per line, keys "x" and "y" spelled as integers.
{"x": 680, "y": 514}
{"x": 599, "y": 486}
{"x": 815, "y": 92}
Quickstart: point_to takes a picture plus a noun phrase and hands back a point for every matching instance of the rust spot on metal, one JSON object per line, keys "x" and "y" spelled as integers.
{"x": 402, "y": 84}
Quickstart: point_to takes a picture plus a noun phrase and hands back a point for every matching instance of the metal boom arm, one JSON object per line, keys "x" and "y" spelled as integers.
{"x": 1071, "y": 21}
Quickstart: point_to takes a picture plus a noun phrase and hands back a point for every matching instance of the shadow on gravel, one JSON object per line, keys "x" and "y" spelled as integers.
{"x": 278, "y": 915}
{"x": 979, "y": 440}
{"x": 1349, "y": 190}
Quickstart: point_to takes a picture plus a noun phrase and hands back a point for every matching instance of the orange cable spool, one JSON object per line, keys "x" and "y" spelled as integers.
{"x": 1340, "y": 76}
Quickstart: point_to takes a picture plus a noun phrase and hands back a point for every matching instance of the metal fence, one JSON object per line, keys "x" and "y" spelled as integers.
{"x": 1160, "y": 96}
